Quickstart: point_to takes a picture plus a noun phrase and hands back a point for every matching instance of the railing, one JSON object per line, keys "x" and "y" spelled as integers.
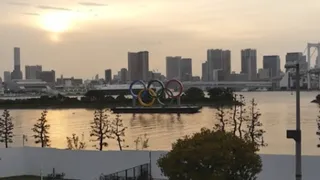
{"x": 141, "y": 172}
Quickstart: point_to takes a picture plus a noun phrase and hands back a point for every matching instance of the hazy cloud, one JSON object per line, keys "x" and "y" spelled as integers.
{"x": 92, "y": 4}
{"x": 54, "y": 8}
{"x": 31, "y": 14}
{"x": 18, "y": 3}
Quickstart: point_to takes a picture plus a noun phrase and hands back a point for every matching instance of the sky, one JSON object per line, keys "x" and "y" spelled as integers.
{"x": 83, "y": 38}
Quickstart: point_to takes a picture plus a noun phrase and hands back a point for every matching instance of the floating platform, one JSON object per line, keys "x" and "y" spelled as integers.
{"x": 158, "y": 110}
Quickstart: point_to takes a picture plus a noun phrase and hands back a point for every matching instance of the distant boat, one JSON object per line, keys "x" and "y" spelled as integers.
{"x": 245, "y": 90}
{"x": 262, "y": 89}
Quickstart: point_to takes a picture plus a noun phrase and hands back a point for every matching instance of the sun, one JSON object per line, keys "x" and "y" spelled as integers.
{"x": 57, "y": 22}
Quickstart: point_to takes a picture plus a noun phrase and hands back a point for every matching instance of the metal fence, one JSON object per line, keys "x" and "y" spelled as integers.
{"x": 141, "y": 172}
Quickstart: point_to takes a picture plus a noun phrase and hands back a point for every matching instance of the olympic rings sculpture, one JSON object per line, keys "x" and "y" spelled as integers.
{"x": 155, "y": 95}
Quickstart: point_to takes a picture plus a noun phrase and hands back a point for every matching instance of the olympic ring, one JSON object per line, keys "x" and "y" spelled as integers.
{"x": 167, "y": 92}
{"x": 151, "y": 92}
{"x": 156, "y": 95}
{"x": 131, "y": 86}
{"x": 179, "y": 83}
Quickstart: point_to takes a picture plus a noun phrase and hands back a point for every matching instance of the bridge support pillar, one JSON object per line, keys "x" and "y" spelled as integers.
{"x": 134, "y": 102}
{"x": 319, "y": 81}
{"x": 308, "y": 68}
{"x": 179, "y": 101}
{"x": 289, "y": 82}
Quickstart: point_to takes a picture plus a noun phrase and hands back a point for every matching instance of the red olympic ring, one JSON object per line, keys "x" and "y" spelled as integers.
{"x": 180, "y": 89}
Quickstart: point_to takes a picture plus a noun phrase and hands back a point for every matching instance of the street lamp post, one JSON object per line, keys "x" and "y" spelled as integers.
{"x": 296, "y": 134}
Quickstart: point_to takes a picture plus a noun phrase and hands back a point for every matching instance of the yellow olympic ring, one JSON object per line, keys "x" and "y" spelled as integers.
{"x": 152, "y": 93}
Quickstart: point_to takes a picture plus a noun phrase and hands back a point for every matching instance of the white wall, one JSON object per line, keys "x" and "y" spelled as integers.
{"x": 88, "y": 165}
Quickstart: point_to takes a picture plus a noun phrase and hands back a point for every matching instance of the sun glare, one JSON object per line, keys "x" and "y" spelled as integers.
{"x": 57, "y": 22}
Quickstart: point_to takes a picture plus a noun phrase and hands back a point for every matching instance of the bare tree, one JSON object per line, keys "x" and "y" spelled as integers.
{"x": 221, "y": 117}
{"x": 74, "y": 143}
{"x": 142, "y": 142}
{"x": 118, "y": 131}
{"x": 255, "y": 132}
{"x": 41, "y": 130}
{"x": 242, "y": 115}
{"x": 234, "y": 113}
{"x": 100, "y": 128}
{"x": 318, "y": 131}
{"x": 6, "y": 128}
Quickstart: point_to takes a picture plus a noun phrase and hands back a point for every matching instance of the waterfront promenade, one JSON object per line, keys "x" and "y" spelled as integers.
{"x": 89, "y": 165}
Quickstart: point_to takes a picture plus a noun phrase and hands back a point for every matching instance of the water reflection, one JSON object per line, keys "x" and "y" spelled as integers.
{"x": 277, "y": 108}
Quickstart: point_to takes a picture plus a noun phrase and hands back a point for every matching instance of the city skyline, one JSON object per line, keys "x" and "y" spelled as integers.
{"x": 99, "y": 36}
{"x": 217, "y": 58}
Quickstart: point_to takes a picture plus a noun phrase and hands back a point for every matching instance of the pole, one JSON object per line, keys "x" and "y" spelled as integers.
{"x": 298, "y": 128}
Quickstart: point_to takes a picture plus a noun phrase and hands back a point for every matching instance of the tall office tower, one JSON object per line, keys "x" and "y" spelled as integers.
{"x": 124, "y": 75}
{"x": 108, "y": 76}
{"x": 7, "y": 76}
{"x": 218, "y": 59}
{"x": 186, "y": 69}
{"x": 33, "y": 72}
{"x": 173, "y": 67}
{"x": 249, "y": 63}
{"x": 16, "y": 73}
{"x": 226, "y": 64}
{"x": 205, "y": 75}
{"x": 138, "y": 65}
{"x": 272, "y": 63}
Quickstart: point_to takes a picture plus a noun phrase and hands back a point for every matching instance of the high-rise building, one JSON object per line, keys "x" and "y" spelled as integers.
{"x": 173, "y": 67}
{"x": 218, "y": 59}
{"x": 124, "y": 74}
{"x": 48, "y": 76}
{"x": 205, "y": 74}
{"x": 138, "y": 65}
{"x": 272, "y": 64}
{"x": 249, "y": 63}
{"x": 16, "y": 73}
{"x": 33, "y": 72}
{"x": 293, "y": 57}
{"x": 226, "y": 63}
{"x": 7, "y": 76}
{"x": 186, "y": 69}
{"x": 108, "y": 76}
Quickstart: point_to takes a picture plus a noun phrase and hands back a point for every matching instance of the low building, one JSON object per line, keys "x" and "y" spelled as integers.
{"x": 30, "y": 85}
{"x": 48, "y": 76}
{"x": 69, "y": 81}
{"x": 263, "y": 73}
{"x": 238, "y": 77}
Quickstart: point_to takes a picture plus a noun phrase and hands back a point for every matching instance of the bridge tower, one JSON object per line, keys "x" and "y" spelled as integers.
{"x": 309, "y": 46}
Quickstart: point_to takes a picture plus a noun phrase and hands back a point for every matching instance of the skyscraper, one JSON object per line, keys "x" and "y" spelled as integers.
{"x": 124, "y": 74}
{"x": 173, "y": 67}
{"x": 16, "y": 73}
{"x": 249, "y": 63}
{"x": 108, "y": 76}
{"x": 272, "y": 63}
{"x": 205, "y": 74}
{"x": 33, "y": 72}
{"x": 138, "y": 65}
{"x": 218, "y": 59}
{"x": 186, "y": 69}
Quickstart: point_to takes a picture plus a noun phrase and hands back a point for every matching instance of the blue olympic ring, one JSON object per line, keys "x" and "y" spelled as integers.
{"x": 131, "y": 86}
